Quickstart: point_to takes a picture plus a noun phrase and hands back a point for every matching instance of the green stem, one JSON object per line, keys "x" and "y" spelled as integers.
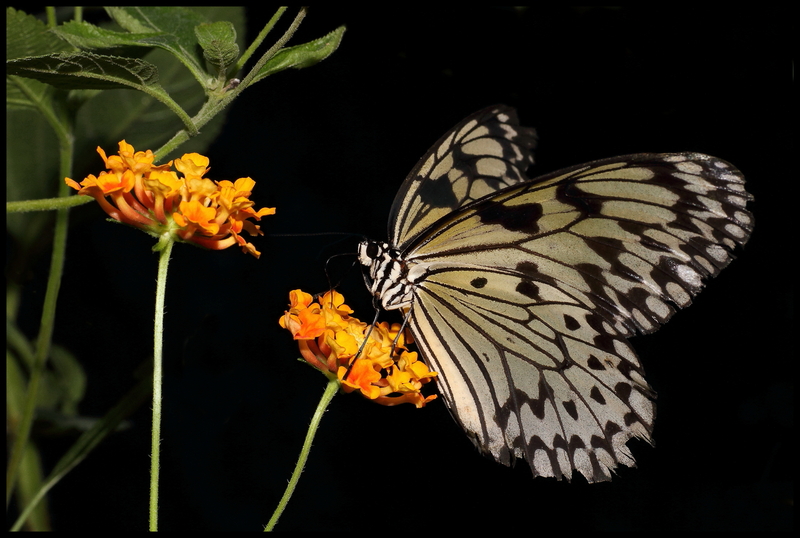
{"x": 327, "y": 396}
{"x": 158, "y": 352}
{"x": 47, "y": 323}
{"x": 257, "y": 41}
{"x": 215, "y": 104}
{"x": 273, "y": 50}
{"x": 47, "y": 204}
{"x": 42, "y": 349}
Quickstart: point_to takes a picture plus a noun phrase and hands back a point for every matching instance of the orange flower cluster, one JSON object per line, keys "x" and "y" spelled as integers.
{"x": 329, "y": 338}
{"x": 190, "y": 208}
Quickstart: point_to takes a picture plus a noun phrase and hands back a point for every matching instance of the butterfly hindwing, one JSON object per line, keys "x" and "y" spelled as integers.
{"x": 534, "y": 376}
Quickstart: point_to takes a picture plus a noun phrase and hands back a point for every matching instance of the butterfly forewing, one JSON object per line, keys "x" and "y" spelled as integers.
{"x": 523, "y": 299}
{"x": 635, "y": 235}
{"x": 484, "y": 153}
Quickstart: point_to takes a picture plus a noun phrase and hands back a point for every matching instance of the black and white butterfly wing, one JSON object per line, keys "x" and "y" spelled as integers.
{"x": 524, "y": 299}
{"x": 529, "y": 372}
{"x": 486, "y": 152}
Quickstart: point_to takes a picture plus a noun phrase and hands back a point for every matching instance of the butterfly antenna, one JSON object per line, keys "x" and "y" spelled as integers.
{"x": 327, "y": 273}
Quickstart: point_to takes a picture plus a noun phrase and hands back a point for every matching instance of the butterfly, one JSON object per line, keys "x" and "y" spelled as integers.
{"x": 522, "y": 293}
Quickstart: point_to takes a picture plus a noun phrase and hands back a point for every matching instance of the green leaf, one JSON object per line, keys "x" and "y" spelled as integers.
{"x": 28, "y": 36}
{"x": 87, "y": 36}
{"x": 301, "y": 56}
{"x": 218, "y": 41}
{"x": 142, "y": 121}
{"x": 86, "y": 70}
{"x": 171, "y": 28}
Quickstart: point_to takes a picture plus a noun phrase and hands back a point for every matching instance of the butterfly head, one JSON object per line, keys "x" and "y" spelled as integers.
{"x": 386, "y": 276}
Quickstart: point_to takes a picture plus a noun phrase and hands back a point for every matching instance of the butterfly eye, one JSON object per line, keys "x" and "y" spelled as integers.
{"x": 374, "y": 250}
{"x": 368, "y": 251}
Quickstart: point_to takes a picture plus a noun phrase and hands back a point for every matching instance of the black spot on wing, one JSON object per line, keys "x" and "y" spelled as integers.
{"x": 519, "y": 218}
{"x": 537, "y": 405}
{"x": 623, "y": 391}
{"x": 528, "y": 289}
{"x": 597, "y": 396}
{"x": 437, "y": 192}
{"x": 612, "y": 428}
{"x": 528, "y": 268}
{"x": 595, "y": 364}
{"x": 571, "y": 409}
{"x": 571, "y": 323}
{"x": 479, "y": 282}
{"x": 569, "y": 192}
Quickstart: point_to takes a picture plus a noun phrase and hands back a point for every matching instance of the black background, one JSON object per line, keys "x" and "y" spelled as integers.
{"x": 329, "y": 147}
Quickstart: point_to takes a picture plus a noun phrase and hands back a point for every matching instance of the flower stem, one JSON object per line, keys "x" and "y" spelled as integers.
{"x": 158, "y": 351}
{"x": 327, "y": 396}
